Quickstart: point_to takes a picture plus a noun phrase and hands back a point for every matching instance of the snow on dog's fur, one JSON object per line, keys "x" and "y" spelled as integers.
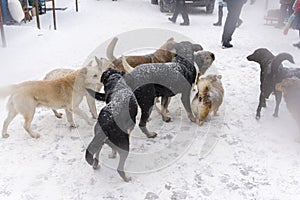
{"x": 102, "y": 65}
{"x": 209, "y": 97}
{"x": 60, "y": 93}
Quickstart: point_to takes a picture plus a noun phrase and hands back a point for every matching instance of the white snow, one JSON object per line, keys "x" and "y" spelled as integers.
{"x": 232, "y": 156}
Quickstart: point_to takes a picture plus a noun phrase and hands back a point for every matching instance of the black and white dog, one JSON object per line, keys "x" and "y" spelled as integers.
{"x": 165, "y": 80}
{"x": 272, "y": 72}
{"x": 115, "y": 121}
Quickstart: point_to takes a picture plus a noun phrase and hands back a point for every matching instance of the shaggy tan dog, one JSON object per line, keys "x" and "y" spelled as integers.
{"x": 291, "y": 93}
{"x": 209, "y": 97}
{"x": 102, "y": 65}
{"x": 61, "y": 93}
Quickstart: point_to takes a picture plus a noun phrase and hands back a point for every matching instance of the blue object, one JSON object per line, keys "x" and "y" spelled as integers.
{"x": 7, "y": 19}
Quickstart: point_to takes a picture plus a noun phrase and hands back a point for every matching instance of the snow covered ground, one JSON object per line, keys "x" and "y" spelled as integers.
{"x": 232, "y": 156}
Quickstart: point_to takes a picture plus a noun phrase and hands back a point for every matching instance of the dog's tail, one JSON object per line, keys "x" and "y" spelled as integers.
{"x": 7, "y": 91}
{"x": 95, "y": 146}
{"x": 279, "y": 59}
{"x": 97, "y": 95}
{"x": 110, "y": 49}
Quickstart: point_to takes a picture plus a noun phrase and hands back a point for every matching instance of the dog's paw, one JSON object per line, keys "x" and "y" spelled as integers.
{"x": 59, "y": 115}
{"x": 36, "y": 136}
{"x": 166, "y": 118}
{"x": 127, "y": 178}
{"x": 112, "y": 155}
{"x": 257, "y": 117}
{"x": 74, "y": 125}
{"x": 149, "y": 119}
{"x": 151, "y": 135}
{"x": 96, "y": 164}
{"x": 5, "y": 135}
{"x": 275, "y": 115}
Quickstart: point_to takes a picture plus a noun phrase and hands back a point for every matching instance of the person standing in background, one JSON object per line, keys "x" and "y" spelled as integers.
{"x": 234, "y": 10}
{"x": 285, "y": 10}
{"x": 223, "y": 4}
{"x": 180, "y": 7}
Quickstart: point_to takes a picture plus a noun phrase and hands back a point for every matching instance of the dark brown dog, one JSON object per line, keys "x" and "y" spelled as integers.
{"x": 163, "y": 55}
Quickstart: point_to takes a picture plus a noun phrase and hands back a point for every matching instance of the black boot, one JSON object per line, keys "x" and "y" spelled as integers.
{"x": 172, "y": 20}
{"x": 218, "y": 23}
{"x": 185, "y": 24}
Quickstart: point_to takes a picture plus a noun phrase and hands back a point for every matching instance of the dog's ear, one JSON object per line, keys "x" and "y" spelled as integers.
{"x": 105, "y": 76}
{"x": 197, "y": 47}
{"x": 170, "y": 46}
{"x": 98, "y": 61}
{"x": 170, "y": 39}
{"x": 84, "y": 70}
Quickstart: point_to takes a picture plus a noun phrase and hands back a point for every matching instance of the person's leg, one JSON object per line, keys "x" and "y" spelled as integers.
{"x": 283, "y": 10}
{"x": 220, "y": 15}
{"x": 234, "y": 11}
{"x": 175, "y": 14}
{"x": 184, "y": 13}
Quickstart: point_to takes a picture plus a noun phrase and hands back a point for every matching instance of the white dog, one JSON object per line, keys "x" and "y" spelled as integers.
{"x": 61, "y": 93}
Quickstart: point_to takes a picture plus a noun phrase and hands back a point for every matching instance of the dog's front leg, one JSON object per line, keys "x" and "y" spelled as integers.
{"x": 82, "y": 114}
{"x": 92, "y": 105}
{"x": 278, "y": 97}
{"x": 70, "y": 119}
{"x": 185, "y": 99}
{"x": 143, "y": 122}
{"x": 262, "y": 103}
{"x": 164, "y": 105}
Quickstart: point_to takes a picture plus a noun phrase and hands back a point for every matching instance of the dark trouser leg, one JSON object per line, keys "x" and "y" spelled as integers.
{"x": 234, "y": 11}
{"x": 175, "y": 14}
{"x": 185, "y": 15}
{"x": 283, "y": 12}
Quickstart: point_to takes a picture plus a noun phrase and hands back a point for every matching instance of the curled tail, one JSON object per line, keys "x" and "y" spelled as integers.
{"x": 279, "y": 59}
{"x": 98, "y": 96}
{"x": 110, "y": 49}
{"x": 7, "y": 91}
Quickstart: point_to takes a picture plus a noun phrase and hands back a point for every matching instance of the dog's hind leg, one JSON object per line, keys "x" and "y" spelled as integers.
{"x": 113, "y": 153}
{"x": 185, "y": 99}
{"x": 123, "y": 156}
{"x": 164, "y": 106}
{"x": 28, "y": 116}
{"x": 278, "y": 97}
{"x": 11, "y": 115}
{"x": 143, "y": 122}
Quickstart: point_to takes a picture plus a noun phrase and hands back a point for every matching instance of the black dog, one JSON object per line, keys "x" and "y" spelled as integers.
{"x": 272, "y": 72}
{"x": 116, "y": 120}
{"x": 165, "y": 80}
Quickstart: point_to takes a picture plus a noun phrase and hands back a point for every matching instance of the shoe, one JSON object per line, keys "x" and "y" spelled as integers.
{"x": 171, "y": 19}
{"x": 226, "y": 45}
{"x": 297, "y": 45}
{"x": 185, "y": 24}
{"x": 239, "y": 23}
{"x": 218, "y": 24}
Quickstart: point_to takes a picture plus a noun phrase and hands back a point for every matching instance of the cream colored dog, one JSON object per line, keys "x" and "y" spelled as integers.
{"x": 61, "y": 93}
{"x": 102, "y": 65}
{"x": 209, "y": 97}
